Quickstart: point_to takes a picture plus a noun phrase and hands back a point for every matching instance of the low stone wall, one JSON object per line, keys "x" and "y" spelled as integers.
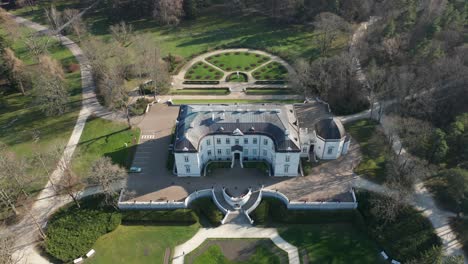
{"x": 311, "y": 205}
{"x": 234, "y": 201}
{"x": 165, "y": 205}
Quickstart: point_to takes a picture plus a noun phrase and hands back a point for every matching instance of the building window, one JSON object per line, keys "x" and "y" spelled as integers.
{"x": 209, "y": 153}
{"x": 264, "y": 152}
{"x": 254, "y": 152}
{"x": 265, "y": 141}
{"x": 187, "y": 168}
{"x": 208, "y": 142}
{"x": 236, "y": 141}
{"x": 286, "y": 168}
{"x": 255, "y": 140}
{"x": 218, "y": 141}
{"x": 219, "y": 152}
{"x": 228, "y": 152}
{"x": 246, "y": 152}
{"x": 304, "y": 149}
{"x": 288, "y": 158}
{"x": 330, "y": 150}
{"x": 246, "y": 141}
{"x": 228, "y": 141}
{"x": 186, "y": 158}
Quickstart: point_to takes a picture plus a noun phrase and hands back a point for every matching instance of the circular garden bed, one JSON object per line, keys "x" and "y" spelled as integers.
{"x": 237, "y": 77}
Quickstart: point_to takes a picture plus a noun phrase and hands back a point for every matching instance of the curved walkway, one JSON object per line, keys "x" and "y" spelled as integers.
{"x": 177, "y": 80}
{"x": 48, "y": 201}
{"x": 422, "y": 198}
{"x": 234, "y": 231}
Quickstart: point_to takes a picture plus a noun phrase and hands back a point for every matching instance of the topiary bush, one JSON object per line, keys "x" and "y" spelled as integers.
{"x": 72, "y": 231}
{"x": 152, "y": 216}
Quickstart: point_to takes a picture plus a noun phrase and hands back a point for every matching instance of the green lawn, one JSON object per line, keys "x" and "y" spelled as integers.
{"x": 268, "y": 91}
{"x": 233, "y": 101}
{"x": 140, "y": 244}
{"x": 271, "y": 71}
{"x": 332, "y": 243}
{"x": 201, "y": 71}
{"x": 237, "y": 61}
{"x": 214, "y": 254}
{"x": 213, "y": 29}
{"x": 105, "y": 138}
{"x": 21, "y": 119}
{"x": 201, "y": 91}
{"x": 374, "y": 147}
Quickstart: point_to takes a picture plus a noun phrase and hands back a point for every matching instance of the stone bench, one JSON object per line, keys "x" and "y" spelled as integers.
{"x": 384, "y": 255}
{"x": 78, "y": 260}
{"x": 395, "y": 262}
{"x": 90, "y": 253}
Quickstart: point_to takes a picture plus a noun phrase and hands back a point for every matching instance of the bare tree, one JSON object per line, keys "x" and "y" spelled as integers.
{"x": 50, "y": 94}
{"x": 54, "y": 17}
{"x": 329, "y": 27}
{"x": 70, "y": 183}
{"x": 16, "y": 69}
{"x": 106, "y": 174}
{"x": 374, "y": 85}
{"x": 37, "y": 45}
{"x": 122, "y": 33}
{"x": 51, "y": 67}
{"x": 78, "y": 27}
{"x": 301, "y": 79}
{"x": 168, "y": 12}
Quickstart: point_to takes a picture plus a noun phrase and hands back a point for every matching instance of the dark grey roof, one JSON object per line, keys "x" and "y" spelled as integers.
{"x": 274, "y": 121}
{"x": 310, "y": 113}
{"x": 330, "y": 128}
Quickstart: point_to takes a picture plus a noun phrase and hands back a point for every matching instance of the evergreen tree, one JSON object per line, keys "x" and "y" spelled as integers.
{"x": 190, "y": 9}
{"x": 390, "y": 29}
{"x": 439, "y": 147}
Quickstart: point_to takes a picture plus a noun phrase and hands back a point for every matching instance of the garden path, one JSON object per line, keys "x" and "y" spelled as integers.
{"x": 48, "y": 201}
{"x": 234, "y": 231}
{"x": 177, "y": 80}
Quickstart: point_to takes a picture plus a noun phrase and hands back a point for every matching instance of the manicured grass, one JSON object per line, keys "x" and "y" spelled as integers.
{"x": 211, "y": 252}
{"x": 233, "y": 101}
{"x": 105, "y": 138}
{"x": 201, "y": 91}
{"x": 374, "y": 147}
{"x": 21, "y": 120}
{"x": 332, "y": 243}
{"x": 140, "y": 244}
{"x": 237, "y": 61}
{"x": 201, "y": 71}
{"x": 271, "y": 71}
{"x": 268, "y": 91}
{"x": 212, "y": 29}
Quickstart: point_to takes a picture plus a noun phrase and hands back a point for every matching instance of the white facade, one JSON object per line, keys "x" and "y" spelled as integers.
{"x": 254, "y": 147}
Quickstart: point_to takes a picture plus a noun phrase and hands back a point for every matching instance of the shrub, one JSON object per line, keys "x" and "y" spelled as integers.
{"x": 73, "y": 67}
{"x": 221, "y": 65}
{"x": 263, "y": 69}
{"x": 205, "y": 207}
{"x": 253, "y": 65}
{"x": 139, "y": 107}
{"x": 228, "y": 69}
{"x": 227, "y": 54}
{"x": 205, "y": 66}
{"x": 246, "y": 68}
{"x": 198, "y": 77}
{"x": 257, "y": 55}
{"x": 247, "y": 53}
{"x": 269, "y": 66}
{"x": 237, "y": 53}
{"x": 72, "y": 231}
{"x": 191, "y": 71}
{"x": 211, "y": 70}
{"x": 188, "y": 76}
{"x": 159, "y": 216}
{"x": 217, "y": 55}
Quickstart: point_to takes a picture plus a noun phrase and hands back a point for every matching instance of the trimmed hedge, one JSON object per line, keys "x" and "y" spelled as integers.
{"x": 270, "y": 82}
{"x": 408, "y": 237}
{"x": 72, "y": 231}
{"x": 185, "y": 216}
{"x": 205, "y": 207}
{"x": 201, "y": 82}
{"x": 271, "y": 211}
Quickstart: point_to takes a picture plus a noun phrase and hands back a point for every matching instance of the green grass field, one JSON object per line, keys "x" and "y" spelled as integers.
{"x": 201, "y": 71}
{"x": 104, "y": 138}
{"x": 140, "y": 244}
{"x": 332, "y": 243}
{"x": 233, "y": 101}
{"x": 374, "y": 149}
{"x": 237, "y": 61}
{"x": 271, "y": 71}
{"x": 211, "y": 30}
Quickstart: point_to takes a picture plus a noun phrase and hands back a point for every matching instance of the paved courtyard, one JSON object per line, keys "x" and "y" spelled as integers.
{"x": 328, "y": 181}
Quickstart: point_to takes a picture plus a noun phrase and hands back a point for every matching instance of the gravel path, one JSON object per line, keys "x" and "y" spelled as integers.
{"x": 234, "y": 231}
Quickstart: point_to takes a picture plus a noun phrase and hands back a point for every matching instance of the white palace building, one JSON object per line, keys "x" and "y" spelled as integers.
{"x": 279, "y": 134}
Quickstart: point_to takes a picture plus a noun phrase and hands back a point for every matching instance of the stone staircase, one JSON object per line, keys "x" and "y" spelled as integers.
{"x": 237, "y": 215}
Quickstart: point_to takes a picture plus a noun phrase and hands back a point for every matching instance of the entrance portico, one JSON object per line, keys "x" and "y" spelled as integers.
{"x": 237, "y": 154}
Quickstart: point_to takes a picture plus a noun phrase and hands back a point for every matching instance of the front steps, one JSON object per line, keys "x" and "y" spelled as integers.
{"x": 237, "y": 215}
